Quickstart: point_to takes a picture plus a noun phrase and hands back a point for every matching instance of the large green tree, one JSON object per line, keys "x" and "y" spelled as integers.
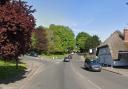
{"x": 63, "y": 39}
{"x": 92, "y": 42}
{"x": 96, "y": 41}
{"x": 50, "y": 37}
{"x": 81, "y": 39}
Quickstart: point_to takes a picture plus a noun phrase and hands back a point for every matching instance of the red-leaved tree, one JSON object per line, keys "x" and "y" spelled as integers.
{"x": 16, "y": 25}
{"x": 41, "y": 39}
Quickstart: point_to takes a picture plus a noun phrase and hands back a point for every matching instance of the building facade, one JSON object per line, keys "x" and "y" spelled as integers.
{"x": 114, "y": 50}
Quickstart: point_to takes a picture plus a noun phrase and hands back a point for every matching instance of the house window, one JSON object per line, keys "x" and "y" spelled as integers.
{"x": 123, "y": 55}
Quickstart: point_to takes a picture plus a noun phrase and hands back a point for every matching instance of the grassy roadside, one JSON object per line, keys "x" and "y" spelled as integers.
{"x": 8, "y": 70}
{"x": 55, "y": 56}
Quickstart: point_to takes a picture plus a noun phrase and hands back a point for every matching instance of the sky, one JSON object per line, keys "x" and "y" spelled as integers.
{"x": 96, "y": 17}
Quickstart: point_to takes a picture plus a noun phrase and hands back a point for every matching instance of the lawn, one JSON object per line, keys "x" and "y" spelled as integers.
{"x": 55, "y": 56}
{"x": 8, "y": 70}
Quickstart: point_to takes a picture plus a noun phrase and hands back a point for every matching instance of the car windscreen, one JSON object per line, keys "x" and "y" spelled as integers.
{"x": 94, "y": 62}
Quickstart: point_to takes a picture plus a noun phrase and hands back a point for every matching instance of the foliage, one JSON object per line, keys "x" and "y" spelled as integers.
{"x": 41, "y": 39}
{"x": 50, "y": 37}
{"x": 33, "y": 41}
{"x": 62, "y": 37}
{"x": 84, "y": 41}
{"x": 16, "y": 25}
{"x": 92, "y": 42}
{"x": 96, "y": 41}
{"x": 81, "y": 39}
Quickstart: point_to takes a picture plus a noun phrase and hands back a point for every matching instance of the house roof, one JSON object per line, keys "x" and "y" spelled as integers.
{"x": 115, "y": 43}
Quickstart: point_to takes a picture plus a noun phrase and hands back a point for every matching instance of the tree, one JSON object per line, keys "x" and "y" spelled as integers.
{"x": 50, "y": 37}
{"x": 33, "y": 41}
{"x": 63, "y": 39}
{"x": 81, "y": 39}
{"x": 41, "y": 39}
{"x": 96, "y": 41}
{"x": 92, "y": 42}
{"x": 16, "y": 25}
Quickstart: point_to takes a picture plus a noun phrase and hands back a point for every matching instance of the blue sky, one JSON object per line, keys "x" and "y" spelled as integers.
{"x": 100, "y": 17}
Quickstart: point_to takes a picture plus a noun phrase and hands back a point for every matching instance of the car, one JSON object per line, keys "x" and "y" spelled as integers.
{"x": 92, "y": 65}
{"x": 70, "y": 56}
{"x": 66, "y": 59}
{"x": 33, "y": 54}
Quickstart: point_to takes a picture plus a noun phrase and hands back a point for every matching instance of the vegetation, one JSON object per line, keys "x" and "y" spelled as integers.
{"x": 92, "y": 42}
{"x": 41, "y": 39}
{"x": 33, "y": 41}
{"x": 61, "y": 39}
{"x": 58, "y": 40}
{"x": 16, "y": 25}
{"x": 81, "y": 39}
{"x": 8, "y": 70}
{"x": 84, "y": 41}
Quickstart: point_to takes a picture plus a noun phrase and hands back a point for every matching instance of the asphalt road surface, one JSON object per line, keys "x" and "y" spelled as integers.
{"x": 71, "y": 75}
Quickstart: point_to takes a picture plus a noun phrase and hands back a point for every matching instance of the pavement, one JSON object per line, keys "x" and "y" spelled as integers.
{"x": 121, "y": 71}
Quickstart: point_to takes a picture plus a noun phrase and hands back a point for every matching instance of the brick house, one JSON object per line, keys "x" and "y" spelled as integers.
{"x": 114, "y": 50}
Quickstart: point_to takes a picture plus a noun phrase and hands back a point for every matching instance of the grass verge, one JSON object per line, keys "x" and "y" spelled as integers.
{"x": 8, "y": 70}
{"x": 54, "y": 56}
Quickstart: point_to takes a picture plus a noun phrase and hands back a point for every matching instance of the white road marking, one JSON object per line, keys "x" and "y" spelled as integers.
{"x": 94, "y": 84}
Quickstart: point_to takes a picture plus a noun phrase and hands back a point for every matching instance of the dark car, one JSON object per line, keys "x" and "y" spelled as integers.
{"x": 92, "y": 65}
{"x": 34, "y": 54}
{"x": 66, "y": 59}
{"x": 70, "y": 56}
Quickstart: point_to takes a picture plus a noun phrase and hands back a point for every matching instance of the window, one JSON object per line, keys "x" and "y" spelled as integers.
{"x": 123, "y": 55}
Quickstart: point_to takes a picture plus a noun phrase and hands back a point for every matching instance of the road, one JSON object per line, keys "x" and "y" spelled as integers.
{"x": 71, "y": 75}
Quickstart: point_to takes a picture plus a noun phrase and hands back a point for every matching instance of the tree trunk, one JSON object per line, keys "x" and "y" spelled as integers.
{"x": 17, "y": 61}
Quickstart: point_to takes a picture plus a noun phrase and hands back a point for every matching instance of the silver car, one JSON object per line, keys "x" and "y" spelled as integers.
{"x": 66, "y": 59}
{"x": 92, "y": 65}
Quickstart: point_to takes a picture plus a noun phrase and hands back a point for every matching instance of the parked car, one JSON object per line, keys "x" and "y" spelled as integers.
{"x": 92, "y": 65}
{"x": 70, "y": 56}
{"x": 34, "y": 54}
{"x": 66, "y": 59}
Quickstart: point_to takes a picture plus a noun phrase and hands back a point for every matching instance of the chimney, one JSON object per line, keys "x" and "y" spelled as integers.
{"x": 126, "y": 37}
